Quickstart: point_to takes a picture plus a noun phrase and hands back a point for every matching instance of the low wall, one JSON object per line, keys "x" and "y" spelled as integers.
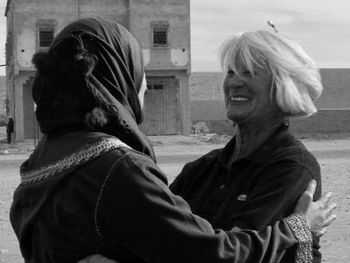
{"x": 203, "y": 110}
{"x": 324, "y": 121}
{"x": 212, "y": 113}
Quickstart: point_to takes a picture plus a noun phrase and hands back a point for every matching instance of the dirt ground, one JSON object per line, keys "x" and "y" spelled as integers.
{"x": 332, "y": 152}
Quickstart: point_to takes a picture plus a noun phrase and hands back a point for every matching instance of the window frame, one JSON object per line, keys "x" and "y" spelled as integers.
{"x": 160, "y": 26}
{"x": 42, "y": 25}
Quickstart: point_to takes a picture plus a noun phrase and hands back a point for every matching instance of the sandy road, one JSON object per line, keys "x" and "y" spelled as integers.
{"x": 333, "y": 156}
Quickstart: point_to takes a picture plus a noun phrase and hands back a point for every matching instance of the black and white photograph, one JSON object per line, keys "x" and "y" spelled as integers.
{"x": 174, "y": 131}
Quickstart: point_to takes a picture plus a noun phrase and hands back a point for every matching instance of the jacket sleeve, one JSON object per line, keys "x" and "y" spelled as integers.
{"x": 179, "y": 184}
{"x": 136, "y": 207}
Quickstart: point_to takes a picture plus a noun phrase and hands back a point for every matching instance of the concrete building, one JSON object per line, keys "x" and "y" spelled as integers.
{"x": 161, "y": 26}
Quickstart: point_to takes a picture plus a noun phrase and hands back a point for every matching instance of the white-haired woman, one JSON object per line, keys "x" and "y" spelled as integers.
{"x": 257, "y": 177}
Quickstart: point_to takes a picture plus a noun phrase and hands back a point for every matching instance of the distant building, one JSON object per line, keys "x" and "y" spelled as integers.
{"x": 333, "y": 116}
{"x": 161, "y": 26}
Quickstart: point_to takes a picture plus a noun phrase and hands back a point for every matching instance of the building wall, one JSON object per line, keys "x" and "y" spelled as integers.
{"x": 136, "y": 15}
{"x": 171, "y": 61}
{"x": 212, "y": 113}
{"x": 324, "y": 121}
{"x": 23, "y": 105}
{"x": 3, "y": 112}
{"x": 336, "y": 92}
{"x": 203, "y": 110}
{"x": 207, "y": 104}
{"x": 27, "y": 13}
{"x": 336, "y": 83}
{"x": 177, "y": 14}
{"x": 183, "y": 104}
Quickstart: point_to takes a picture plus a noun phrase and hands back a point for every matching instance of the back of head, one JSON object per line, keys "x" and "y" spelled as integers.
{"x": 91, "y": 63}
{"x": 60, "y": 90}
{"x": 295, "y": 78}
{"x": 89, "y": 80}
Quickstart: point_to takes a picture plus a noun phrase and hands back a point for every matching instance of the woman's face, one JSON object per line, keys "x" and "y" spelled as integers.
{"x": 247, "y": 97}
{"x": 142, "y": 91}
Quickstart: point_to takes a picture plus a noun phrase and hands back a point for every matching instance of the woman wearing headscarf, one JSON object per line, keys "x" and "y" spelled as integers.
{"x": 257, "y": 178}
{"x": 91, "y": 186}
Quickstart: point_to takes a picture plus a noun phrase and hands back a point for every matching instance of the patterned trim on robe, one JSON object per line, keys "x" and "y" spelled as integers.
{"x": 86, "y": 154}
{"x": 301, "y": 230}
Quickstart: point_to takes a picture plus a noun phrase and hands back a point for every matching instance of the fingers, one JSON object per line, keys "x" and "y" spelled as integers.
{"x": 329, "y": 220}
{"x": 306, "y": 198}
{"x": 330, "y": 209}
{"x": 324, "y": 200}
{"x": 326, "y": 223}
{"x": 310, "y": 190}
{"x": 321, "y": 232}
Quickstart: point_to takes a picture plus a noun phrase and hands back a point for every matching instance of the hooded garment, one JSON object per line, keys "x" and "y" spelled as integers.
{"x": 92, "y": 63}
{"x": 112, "y": 84}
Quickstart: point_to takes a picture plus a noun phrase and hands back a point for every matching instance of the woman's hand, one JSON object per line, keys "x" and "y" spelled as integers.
{"x": 319, "y": 213}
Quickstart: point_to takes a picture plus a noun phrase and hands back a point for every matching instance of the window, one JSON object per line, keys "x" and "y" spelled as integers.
{"x": 160, "y": 33}
{"x": 45, "y": 32}
{"x": 45, "y": 37}
{"x": 160, "y": 37}
{"x": 155, "y": 86}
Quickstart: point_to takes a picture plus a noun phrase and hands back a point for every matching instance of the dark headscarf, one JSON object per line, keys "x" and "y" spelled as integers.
{"x": 91, "y": 64}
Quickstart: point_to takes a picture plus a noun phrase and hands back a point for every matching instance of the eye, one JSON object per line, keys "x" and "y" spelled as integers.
{"x": 247, "y": 73}
{"x": 230, "y": 71}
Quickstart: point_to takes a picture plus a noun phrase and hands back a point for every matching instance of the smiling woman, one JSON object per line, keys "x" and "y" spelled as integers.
{"x": 259, "y": 175}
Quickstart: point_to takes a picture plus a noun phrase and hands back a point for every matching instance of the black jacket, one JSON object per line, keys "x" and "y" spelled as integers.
{"x": 252, "y": 192}
{"x": 88, "y": 193}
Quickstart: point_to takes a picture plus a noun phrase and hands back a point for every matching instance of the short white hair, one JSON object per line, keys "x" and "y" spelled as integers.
{"x": 295, "y": 77}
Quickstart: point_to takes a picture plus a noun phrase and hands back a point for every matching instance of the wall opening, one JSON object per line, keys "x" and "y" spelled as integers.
{"x": 31, "y": 127}
{"x": 45, "y": 33}
{"x": 160, "y": 33}
{"x": 161, "y": 107}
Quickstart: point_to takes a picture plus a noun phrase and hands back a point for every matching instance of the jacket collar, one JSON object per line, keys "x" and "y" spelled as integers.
{"x": 263, "y": 153}
{"x": 56, "y": 155}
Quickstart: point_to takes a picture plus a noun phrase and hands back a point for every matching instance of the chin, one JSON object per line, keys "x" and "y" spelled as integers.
{"x": 234, "y": 118}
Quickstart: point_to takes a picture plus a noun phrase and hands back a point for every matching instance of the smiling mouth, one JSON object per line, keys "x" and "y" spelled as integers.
{"x": 239, "y": 99}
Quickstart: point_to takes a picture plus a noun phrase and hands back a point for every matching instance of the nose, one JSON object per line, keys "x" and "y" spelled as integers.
{"x": 235, "y": 81}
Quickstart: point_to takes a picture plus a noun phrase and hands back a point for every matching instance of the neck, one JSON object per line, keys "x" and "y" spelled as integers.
{"x": 250, "y": 137}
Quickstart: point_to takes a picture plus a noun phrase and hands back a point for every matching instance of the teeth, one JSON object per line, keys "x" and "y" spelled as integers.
{"x": 238, "y": 99}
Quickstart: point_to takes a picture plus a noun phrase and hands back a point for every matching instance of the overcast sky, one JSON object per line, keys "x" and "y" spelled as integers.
{"x": 322, "y": 27}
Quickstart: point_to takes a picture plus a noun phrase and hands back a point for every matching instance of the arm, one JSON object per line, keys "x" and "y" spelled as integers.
{"x": 159, "y": 226}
